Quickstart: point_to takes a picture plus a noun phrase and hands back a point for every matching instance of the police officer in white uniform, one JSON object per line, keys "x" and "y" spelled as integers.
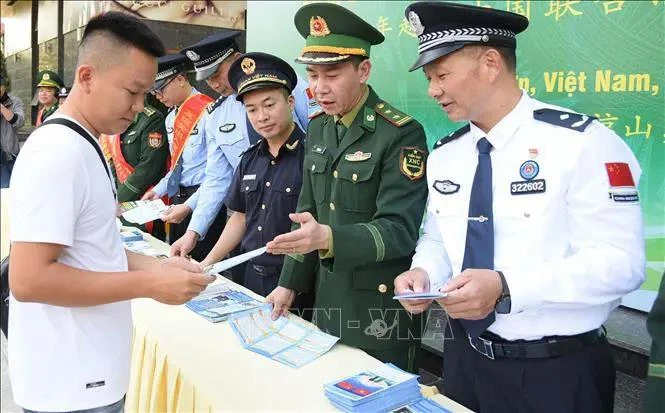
{"x": 533, "y": 226}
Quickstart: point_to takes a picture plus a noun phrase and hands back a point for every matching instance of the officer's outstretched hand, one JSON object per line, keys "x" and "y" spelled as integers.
{"x": 413, "y": 281}
{"x": 472, "y": 295}
{"x": 183, "y": 246}
{"x": 309, "y": 237}
{"x": 176, "y": 213}
{"x": 149, "y": 196}
{"x": 176, "y": 282}
{"x": 281, "y": 299}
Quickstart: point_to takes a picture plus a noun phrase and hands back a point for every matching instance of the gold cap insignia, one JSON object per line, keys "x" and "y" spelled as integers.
{"x": 46, "y": 77}
{"x": 248, "y": 65}
{"x": 318, "y": 27}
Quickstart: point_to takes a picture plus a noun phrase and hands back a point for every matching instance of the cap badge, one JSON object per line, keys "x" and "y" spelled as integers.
{"x": 46, "y": 76}
{"x": 318, "y": 27}
{"x": 248, "y": 65}
{"x": 416, "y": 25}
{"x": 192, "y": 55}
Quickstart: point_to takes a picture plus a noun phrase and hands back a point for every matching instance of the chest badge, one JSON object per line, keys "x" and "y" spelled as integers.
{"x": 529, "y": 170}
{"x": 446, "y": 187}
{"x": 229, "y": 127}
{"x": 358, "y": 156}
{"x": 155, "y": 140}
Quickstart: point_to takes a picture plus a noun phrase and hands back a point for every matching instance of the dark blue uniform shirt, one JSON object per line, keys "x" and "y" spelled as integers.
{"x": 266, "y": 188}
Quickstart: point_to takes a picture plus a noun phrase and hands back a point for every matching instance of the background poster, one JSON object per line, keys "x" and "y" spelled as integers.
{"x": 603, "y": 58}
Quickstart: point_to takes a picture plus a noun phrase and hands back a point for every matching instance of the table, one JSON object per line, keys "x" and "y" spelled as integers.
{"x": 182, "y": 362}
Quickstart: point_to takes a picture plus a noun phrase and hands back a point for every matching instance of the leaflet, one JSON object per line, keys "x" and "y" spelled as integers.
{"x": 140, "y": 212}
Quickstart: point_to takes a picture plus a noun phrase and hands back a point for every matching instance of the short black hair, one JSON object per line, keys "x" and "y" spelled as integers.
{"x": 357, "y": 60}
{"x": 509, "y": 56}
{"x": 126, "y": 29}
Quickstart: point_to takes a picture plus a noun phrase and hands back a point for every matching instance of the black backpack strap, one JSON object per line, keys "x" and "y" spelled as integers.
{"x": 78, "y": 129}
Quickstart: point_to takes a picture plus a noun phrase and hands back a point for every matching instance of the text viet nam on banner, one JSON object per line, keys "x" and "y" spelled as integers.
{"x": 602, "y": 58}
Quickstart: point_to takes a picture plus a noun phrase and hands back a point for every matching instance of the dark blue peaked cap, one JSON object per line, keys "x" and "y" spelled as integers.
{"x": 443, "y": 28}
{"x": 210, "y": 52}
{"x": 260, "y": 70}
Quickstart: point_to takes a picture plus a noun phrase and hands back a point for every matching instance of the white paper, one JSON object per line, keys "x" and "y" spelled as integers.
{"x": 233, "y": 261}
{"x": 140, "y": 212}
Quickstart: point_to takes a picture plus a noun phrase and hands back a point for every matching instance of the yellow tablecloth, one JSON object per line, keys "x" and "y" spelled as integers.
{"x": 182, "y": 362}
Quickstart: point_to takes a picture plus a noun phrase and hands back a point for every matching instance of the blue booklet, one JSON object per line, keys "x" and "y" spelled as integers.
{"x": 287, "y": 340}
{"x": 218, "y": 302}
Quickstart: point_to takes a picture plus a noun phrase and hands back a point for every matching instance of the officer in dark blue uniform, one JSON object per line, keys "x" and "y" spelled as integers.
{"x": 267, "y": 182}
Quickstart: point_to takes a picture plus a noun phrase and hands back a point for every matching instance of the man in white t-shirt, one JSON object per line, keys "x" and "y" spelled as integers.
{"x": 70, "y": 277}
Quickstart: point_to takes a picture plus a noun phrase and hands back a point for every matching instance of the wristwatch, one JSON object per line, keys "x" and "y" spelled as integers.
{"x": 503, "y": 304}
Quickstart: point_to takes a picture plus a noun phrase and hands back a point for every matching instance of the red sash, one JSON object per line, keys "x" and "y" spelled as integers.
{"x": 185, "y": 121}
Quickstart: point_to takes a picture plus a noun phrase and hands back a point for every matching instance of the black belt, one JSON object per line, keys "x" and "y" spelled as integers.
{"x": 266, "y": 270}
{"x": 494, "y": 347}
{"x": 186, "y": 191}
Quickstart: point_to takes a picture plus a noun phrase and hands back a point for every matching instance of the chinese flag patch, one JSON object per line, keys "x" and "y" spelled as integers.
{"x": 619, "y": 174}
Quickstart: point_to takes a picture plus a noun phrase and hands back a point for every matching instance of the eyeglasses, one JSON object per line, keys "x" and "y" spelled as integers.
{"x": 160, "y": 91}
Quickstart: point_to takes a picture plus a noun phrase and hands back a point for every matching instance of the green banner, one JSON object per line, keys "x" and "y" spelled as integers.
{"x": 603, "y": 58}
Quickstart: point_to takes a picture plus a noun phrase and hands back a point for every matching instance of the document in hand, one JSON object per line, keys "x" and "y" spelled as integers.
{"x": 287, "y": 340}
{"x": 140, "y": 212}
{"x": 224, "y": 265}
{"x": 218, "y": 302}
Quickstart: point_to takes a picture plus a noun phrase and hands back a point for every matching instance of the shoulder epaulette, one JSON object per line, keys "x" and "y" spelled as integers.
{"x": 149, "y": 111}
{"x": 315, "y": 114}
{"x": 214, "y": 105}
{"x": 452, "y": 136}
{"x": 251, "y": 148}
{"x": 571, "y": 120}
{"x": 392, "y": 115}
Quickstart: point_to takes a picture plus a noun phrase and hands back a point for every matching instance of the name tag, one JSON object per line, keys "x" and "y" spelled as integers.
{"x": 536, "y": 186}
{"x": 249, "y": 177}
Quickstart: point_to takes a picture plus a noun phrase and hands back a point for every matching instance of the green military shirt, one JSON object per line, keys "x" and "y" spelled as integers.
{"x": 655, "y": 394}
{"x": 49, "y": 111}
{"x": 145, "y": 147}
{"x": 371, "y": 190}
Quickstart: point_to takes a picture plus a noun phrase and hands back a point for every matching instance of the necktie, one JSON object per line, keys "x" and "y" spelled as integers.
{"x": 341, "y": 130}
{"x": 479, "y": 247}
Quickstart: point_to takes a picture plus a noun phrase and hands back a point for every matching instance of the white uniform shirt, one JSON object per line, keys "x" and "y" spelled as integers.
{"x": 67, "y": 358}
{"x": 569, "y": 253}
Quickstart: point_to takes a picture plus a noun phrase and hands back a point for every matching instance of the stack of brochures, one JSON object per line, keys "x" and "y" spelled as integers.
{"x": 289, "y": 340}
{"x": 218, "y": 302}
{"x": 381, "y": 389}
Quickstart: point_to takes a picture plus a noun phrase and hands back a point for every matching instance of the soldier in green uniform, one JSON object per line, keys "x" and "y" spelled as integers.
{"x": 362, "y": 198}
{"x": 138, "y": 158}
{"x": 145, "y": 148}
{"x": 655, "y": 394}
{"x": 47, "y": 92}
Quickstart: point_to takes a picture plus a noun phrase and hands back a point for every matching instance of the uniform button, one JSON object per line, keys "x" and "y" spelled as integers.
{"x": 272, "y": 162}
{"x": 354, "y": 177}
{"x": 267, "y": 183}
{"x": 260, "y": 228}
{"x": 246, "y": 188}
{"x": 313, "y": 167}
{"x": 332, "y": 206}
{"x": 335, "y": 174}
{"x": 288, "y": 189}
{"x": 382, "y": 288}
{"x": 263, "y": 206}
